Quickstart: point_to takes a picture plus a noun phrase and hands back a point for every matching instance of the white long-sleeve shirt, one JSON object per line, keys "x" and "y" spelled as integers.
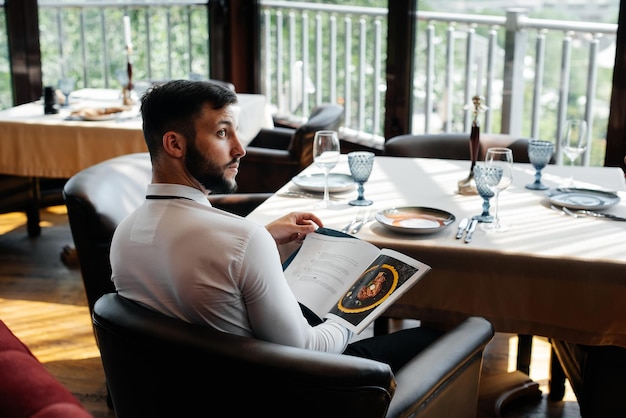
{"x": 184, "y": 258}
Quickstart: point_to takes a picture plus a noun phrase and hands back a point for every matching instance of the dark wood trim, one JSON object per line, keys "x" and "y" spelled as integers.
{"x": 234, "y": 28}
{"x": 401, "y": 23}
{"x": 22, "y": 22}
{"x": 616, "y": 131}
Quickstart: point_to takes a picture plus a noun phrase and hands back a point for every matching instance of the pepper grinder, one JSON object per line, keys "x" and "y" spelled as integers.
{"x": 467, "y": 186}
{"x": 50, "y": 101}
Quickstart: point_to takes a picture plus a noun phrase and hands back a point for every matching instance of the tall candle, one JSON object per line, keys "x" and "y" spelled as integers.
{"x": 479, "y": 75}
{"x": 129, "y": 43}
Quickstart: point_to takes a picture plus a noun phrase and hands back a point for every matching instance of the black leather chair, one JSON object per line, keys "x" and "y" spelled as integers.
{"x": 276, "y": 155}
{"x": 453, "y": 146}
{"x": 157, "y": 366}
{"x": 29, "y": 195}
{"x": 100, "y": 196}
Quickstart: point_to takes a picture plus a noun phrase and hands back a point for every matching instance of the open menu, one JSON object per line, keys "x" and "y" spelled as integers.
{"x": 350, "y": 280}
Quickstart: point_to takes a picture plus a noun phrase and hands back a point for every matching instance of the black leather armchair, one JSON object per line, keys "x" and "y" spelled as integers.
{"x": 100, "y": 196}
{"x": 159, "y": 366}
{"x": 453, "y": 146}
{"x": 275, "y": 155}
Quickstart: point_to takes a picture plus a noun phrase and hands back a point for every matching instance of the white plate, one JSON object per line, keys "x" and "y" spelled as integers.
{"x": 98, "y": 118}
{"x": 315, "y": 182}
{"x": 415, "y": 220}
{"x": 575, "y": 198}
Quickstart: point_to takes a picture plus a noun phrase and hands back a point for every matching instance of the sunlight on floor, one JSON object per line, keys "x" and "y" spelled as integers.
{"x": 539, "y": 365}
{"x": 53, "y": 331}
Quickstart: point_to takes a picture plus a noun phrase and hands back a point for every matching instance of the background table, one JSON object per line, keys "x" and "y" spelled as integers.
{"x": 550, "y": 274}
{"x": 37, "y": 145}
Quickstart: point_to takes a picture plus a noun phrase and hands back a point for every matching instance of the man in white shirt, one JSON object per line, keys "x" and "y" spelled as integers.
{"x": 180, "y": 256}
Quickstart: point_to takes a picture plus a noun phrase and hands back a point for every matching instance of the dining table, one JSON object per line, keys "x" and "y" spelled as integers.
{"x": 551, "y": 274}
{"x": 58, "y": 145}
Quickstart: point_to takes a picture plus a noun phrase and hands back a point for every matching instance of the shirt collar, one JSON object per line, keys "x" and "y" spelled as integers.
{"x": 178, "y": 190}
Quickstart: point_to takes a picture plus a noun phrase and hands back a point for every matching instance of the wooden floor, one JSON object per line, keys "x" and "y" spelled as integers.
{"x": 43, "y": 302}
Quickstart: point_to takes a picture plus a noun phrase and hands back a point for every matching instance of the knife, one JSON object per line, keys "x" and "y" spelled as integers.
{"x": 462, "y": 225}
{"x": 603, "y": 215}
{"x": 470, "y": 230}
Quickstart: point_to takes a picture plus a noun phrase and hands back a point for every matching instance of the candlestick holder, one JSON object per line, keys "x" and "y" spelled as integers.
{"x": 128, "y": 87}
{"x": 467, "y": 186}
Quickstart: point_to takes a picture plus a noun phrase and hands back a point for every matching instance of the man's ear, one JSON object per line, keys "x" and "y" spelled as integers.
{"x": 174, "y": 144}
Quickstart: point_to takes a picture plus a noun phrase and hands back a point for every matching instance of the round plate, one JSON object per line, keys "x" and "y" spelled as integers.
{"x": 575, "y": 198}
{"x": 98, "y": 118}
{"x": 315, "y": 182}
{"x": 415, "y": 220}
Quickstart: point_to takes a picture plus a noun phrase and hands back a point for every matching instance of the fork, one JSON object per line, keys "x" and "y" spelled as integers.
{"x": 353, "y": 222}
{"x": 360, "y": 221}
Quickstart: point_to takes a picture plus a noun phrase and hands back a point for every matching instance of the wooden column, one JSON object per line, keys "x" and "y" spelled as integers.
{"x": 234, "y": 33}
{"x": 402, "y": 23}
{"x": 25, "y": 57}
{"x": 616, "y": 132}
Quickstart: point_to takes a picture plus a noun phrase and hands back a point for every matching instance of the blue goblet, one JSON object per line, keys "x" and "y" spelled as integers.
{"x": 361, "y": 164}
{"x": 539, "y": 154}
{"x": 486, "y": 178}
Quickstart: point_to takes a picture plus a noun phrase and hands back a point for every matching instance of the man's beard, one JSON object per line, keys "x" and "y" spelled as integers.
{"x": 208, "y": 174}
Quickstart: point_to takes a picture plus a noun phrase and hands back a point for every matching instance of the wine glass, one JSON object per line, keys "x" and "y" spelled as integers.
{"x": 485, "y": 177}
{"x": 66, "y": 85}
{"x": 574, "y": 143}
{"x": 326, "y": 153}
{"x": 539, "y": 154}
{"x": 361, "y": 164}
{"x": 502, "y": 158}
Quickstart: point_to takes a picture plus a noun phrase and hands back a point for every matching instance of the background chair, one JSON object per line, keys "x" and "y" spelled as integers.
{"x": 453, "y": 146}
{"x": 275, "y": 155}
{"x": 29, "y": 195}
{"x": 160, "y": 366}
{"x": 97, "y": 200}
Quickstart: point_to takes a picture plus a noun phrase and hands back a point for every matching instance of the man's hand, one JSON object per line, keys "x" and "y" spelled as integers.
{"x": 293, "y": 227}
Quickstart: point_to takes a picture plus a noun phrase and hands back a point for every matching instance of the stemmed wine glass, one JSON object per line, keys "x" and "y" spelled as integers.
{"x": 501, "y": 158}
{"x": 326, "y": 153}
{"x": 574, "y": 143}
{"x": 484, "y": 177}
{"x": 361, "y": 164}
{"x": 539, "y": 154}
{"x": 66, "y": 85}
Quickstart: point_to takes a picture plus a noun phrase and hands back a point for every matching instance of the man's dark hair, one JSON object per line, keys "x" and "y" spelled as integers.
{"x": 175, "y": 106}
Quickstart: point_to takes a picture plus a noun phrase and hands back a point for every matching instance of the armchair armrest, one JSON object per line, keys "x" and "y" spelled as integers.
{"x": 443, "y": 380}
{"x": 239, "y": 203}
{"x": 274, "y": 138}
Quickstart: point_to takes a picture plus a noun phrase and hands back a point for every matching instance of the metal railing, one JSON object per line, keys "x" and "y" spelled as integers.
{"x": 336, "y": 53}
{"x": 313, "y": 53}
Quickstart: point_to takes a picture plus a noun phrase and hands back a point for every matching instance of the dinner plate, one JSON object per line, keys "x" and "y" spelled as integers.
{"x": 315, "y": 182}
{"x": 575, "y": 198}
{"x": 415, "y": 220}
{"x": 98, "y": 118}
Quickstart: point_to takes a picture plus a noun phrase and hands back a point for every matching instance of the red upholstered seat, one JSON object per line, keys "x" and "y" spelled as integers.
{"x": 27, "y": 389}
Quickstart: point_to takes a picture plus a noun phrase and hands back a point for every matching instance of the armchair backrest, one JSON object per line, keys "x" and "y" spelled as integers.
{"x": 159, "y": 366}
{"x": 327, "y": 116}
{"x": 453, "y": 146}
{"x": 99, "y": 197}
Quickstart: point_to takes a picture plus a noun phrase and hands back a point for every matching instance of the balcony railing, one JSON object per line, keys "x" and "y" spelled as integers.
{"x": 534, "y": 73}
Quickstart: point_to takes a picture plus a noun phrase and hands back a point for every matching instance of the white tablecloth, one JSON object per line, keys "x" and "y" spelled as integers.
{"x": 550, "y": 274}
{"x": 38, "y": 145}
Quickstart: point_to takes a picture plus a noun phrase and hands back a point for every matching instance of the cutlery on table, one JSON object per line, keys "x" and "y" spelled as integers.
{"x": 470, "y": 231}
{"x": 296, "y": 194}
{"x": 360, "y": 221}
{"x": 353, "y": 222}
{"x": 585, "y": 212}
{"x": 463, "y": 223}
